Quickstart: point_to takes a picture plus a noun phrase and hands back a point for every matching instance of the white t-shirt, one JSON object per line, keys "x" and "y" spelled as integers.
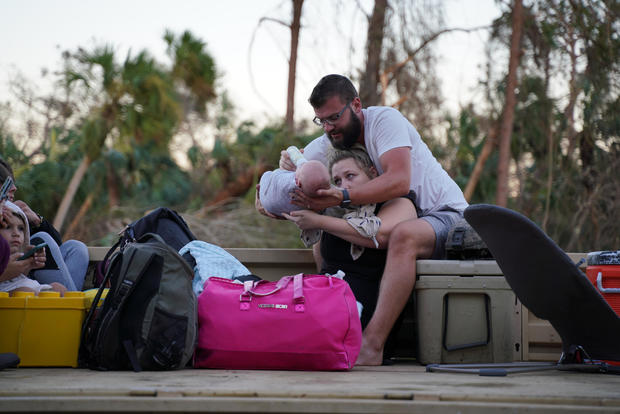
{"x": 386, "y": 128}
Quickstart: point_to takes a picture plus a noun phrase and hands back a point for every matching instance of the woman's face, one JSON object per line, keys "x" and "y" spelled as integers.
{"x": 13, "y": 232}
{"x": 347, "y": 174}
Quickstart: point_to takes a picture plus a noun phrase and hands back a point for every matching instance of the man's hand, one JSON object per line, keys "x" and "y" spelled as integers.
{"x": 259, "y": 206}
{"x": 30, "y": 215}
{"x": 304, "y": 219}
{"x": 325, "y": 198}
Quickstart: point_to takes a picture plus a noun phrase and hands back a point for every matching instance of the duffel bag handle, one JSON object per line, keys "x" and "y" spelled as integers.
{"x": 599, "y": 284}
{"x": 298, "y": 291}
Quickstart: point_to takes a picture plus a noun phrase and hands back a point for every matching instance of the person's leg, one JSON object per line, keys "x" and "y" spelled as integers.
{"x": 49, "y": 276}
{"x": 365, "y": 292}
{"x": 316, "y": 254}
{"x": 75, "y": 255}
{"x": 409, "y": 240}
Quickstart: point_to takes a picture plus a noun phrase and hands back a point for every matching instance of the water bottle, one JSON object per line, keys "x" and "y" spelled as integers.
{"x": 296, "y": 156}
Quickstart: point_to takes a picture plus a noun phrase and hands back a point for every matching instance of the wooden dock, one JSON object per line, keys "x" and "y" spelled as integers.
{"x": 404, "y": 387}
{"x": 400, "y": 388}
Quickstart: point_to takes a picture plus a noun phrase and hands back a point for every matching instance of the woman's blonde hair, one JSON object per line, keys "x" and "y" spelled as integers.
{"x": 357, "y": 153}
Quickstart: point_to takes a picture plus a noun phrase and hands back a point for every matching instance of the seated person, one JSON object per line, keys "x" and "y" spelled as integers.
{"x": 14, "y": 230}
{"x": 349, "y": 169}
{"x": 66, "y": 262}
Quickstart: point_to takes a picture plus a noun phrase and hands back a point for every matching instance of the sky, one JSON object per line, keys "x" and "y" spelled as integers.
{"x": 251, "y": 58}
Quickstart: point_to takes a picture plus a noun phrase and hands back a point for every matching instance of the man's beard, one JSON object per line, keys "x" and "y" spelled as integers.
{"x": 350, "y": 133}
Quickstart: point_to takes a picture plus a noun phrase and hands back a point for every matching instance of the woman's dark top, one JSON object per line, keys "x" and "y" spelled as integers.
{"x": 363, "y": 274}
{"x": 46, "y": 226}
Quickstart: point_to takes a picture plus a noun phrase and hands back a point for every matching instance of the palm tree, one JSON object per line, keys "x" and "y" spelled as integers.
{"x": 139, "y": 103}
{"x": 137, "y": 106}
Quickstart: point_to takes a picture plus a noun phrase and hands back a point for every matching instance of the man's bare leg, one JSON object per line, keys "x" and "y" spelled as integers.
{"x": 316, "y": 254}
{"x": 409, "y": 241}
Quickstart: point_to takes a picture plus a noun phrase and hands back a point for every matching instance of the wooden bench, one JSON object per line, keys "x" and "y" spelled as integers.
{"x": 271, "y": 264}
{"x": 540, "y": 342}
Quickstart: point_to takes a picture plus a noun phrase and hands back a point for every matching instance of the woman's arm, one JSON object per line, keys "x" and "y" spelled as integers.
{"x": 391, "y": 213}
{"x": 307, "y": 219}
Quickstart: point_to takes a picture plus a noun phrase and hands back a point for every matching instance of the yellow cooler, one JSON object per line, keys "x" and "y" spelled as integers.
{"x": 42, "y": 330}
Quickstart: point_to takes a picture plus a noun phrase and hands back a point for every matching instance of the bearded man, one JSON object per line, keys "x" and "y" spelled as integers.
{"x": 405, "y": 164}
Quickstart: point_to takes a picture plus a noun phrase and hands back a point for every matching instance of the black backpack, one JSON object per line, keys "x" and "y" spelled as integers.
{"x": 463, "y": 243}
{"x": 148, "y": 318}
{"x": 163, "y": 221}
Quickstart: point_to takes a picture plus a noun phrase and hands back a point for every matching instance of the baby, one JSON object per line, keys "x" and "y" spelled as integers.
{"x": 15, "y": 231}
{"x": 276, "y": 186}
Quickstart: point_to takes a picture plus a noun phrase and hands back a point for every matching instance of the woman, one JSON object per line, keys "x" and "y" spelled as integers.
{"x": 348, "y": 169}
{"x": 66, "y": 262}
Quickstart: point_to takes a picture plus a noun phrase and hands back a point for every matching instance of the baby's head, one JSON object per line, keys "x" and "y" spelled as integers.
{"x": 312, "y": 176}
{"x": 14, "y": 229}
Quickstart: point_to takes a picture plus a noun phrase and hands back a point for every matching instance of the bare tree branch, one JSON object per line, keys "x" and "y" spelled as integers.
{"x": 388, "y": 74}
{"x": 251, "y": 72}
{"x": 271, "y": 19}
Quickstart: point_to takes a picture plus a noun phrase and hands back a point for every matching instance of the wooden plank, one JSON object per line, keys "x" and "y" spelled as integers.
{"x": 96, "y": 254}
{"x": 543, "y": 333}
{"x": 540, "y": 341}
{"x": 288, "y": 405}
{"x": 399, "y": 388}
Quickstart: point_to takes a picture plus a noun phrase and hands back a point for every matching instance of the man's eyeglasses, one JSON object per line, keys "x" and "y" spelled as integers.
{"x": 330, "y": 120}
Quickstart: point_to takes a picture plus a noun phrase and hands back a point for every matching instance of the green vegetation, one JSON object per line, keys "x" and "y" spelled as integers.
{"x": 102, "y": 148}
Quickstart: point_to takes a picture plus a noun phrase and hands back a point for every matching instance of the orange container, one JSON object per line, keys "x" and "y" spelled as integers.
{"x": 606, "y": 279}
{"x": 603, "y": 271}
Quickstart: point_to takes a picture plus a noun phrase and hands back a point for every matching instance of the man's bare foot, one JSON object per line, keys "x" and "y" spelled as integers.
{"x": 369, "y": 355}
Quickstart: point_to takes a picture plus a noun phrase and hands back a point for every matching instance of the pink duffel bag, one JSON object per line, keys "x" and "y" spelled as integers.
{"x": 301, "y": 322}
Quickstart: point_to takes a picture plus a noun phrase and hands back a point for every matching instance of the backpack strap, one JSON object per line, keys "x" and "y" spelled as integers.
{"x": 134, "y": 263}
{"x": 85, "y": 345}
{"x": 133, "y": 269}
{"x": 102, "y": 268}
{"x": 132, "y": 355}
